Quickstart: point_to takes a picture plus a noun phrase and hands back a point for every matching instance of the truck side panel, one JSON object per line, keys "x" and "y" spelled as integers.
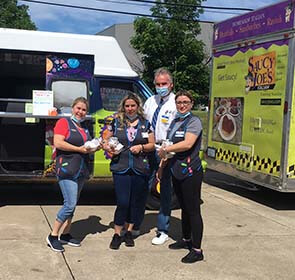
{"x": 247, "y": 104}
{"x": 291, "y": 148}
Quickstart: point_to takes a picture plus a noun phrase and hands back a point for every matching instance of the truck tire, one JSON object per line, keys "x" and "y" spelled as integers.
{"x": 153, "y": 199}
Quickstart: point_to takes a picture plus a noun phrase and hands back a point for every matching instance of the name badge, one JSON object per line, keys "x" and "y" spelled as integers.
{"x": 144, "y": 135}
{"x": 179, "y": 134}
{"x": 164, "y": 119}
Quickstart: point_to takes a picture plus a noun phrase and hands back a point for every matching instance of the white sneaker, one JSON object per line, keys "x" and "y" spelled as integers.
{"x": 160, "y": 239}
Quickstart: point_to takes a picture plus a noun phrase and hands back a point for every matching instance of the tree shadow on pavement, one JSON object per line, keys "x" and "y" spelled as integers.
{"x": 50, "y": 194}
{"x": 81, "y": 228}
{"x": 265, "y": 196}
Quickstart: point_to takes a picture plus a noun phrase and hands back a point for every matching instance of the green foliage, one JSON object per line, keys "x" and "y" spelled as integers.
{"x": 172, "y": 43}
{"x": 15, "y": 16}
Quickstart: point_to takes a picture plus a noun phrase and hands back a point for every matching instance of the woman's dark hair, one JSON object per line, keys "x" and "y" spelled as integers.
{"x": 82, "y": 100}
{"x": 183, "y": 92}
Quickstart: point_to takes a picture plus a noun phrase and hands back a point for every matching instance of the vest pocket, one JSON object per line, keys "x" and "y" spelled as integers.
{"x": 69, "y": 166}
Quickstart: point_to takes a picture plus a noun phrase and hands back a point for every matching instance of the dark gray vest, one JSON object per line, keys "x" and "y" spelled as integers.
{"x": 183, "y": 164}
{"x": 126, "y": 161}
{"x": 71, "y": 165}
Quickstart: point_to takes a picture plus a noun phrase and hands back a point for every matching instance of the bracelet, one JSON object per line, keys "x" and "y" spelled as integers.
{"x": 142, "y": 148}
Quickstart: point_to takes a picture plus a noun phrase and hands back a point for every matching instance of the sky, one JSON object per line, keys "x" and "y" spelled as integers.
{"x": 69, "y": 20}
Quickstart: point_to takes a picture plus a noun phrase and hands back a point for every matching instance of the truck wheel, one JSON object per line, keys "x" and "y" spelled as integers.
{"x": 153, "y": 200}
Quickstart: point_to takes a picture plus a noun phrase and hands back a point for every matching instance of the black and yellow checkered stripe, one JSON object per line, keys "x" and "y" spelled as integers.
{"x": 227, "y": 155}
{"x": 291, "y": 170}
{"x": 265, "y": 165}
{"x": 244, "y": 160}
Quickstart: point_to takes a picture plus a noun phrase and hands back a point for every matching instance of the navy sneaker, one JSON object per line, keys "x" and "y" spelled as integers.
{"x": 69, "y": 240}
{"x": 129, "y": 242}
{"x": 116, "y": 242}
{"x": 54, "y": 244}
{"x": 193, "y": 256}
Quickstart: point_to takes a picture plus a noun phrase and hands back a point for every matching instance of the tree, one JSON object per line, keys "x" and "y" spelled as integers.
{"x": 15, "y": 16}
{"x": 172, "y": 43}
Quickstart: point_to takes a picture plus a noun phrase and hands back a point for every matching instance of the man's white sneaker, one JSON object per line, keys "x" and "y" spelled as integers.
{"x": 160, "y": 239}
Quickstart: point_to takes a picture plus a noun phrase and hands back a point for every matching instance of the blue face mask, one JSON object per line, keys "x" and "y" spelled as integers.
{"x": 132, "y": 118}
{"x": 182, "y": 115}
{"x": 162, "y": 91}
{"x": 77, "y": 120}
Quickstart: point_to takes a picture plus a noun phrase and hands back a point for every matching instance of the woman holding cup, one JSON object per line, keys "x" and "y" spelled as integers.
{"x": 129, "y": 140}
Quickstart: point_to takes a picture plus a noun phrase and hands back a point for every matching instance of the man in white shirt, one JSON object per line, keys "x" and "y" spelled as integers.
{"x": 160, "y": 111}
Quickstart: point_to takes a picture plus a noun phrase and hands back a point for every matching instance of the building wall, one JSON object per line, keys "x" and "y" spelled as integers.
{"x": 123, "y": 33}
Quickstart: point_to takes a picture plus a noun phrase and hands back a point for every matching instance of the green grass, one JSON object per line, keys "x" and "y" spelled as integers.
{"x": 203, "y": 115}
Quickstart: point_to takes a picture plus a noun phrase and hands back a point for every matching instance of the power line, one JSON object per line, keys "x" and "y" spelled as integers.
{"x": 125, "y": 3}
{"x": 193, "y": 6}
{"x": 149, "y": 5}
{"x": 112, "y": 11}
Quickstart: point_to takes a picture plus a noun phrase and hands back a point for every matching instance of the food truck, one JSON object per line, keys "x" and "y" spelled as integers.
{"x": 42, "y": 70}
{"x": 252, "y": 106}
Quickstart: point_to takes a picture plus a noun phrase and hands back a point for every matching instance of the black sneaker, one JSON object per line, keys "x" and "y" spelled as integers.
{"x": 54, "y": 244}
{"x": 116, "y": 242}
{"x": 181, "y": 244}
{"x": 69, "y": 240}
{"x": 193, "y": 256}
{"x": 128, "y": 238}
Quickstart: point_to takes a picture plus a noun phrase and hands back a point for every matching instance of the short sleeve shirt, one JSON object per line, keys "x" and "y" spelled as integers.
{"x": 193, "y": 126}
{"x": 62, "y": 128}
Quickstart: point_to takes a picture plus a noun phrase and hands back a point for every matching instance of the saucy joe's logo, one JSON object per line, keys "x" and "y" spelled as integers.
{"x": 261, "y": 72}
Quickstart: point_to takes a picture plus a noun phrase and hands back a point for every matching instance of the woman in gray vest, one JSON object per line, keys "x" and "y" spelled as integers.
{"x": 130, "y": 166}
{"x": 186, "y": 132}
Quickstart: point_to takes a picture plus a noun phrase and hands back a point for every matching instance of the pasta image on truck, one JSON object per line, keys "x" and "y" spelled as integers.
{"x": 251, "y": 129}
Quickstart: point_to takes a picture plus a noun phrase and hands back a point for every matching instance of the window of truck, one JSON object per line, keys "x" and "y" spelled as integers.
{"x": 112, "y": 92}
{"x": 65, "y": 91}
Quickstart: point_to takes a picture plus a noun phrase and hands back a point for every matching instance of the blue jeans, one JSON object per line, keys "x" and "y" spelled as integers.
{"x": 130, "y": 189}
{"x": 165, "y": 200}
{"x": 71, "y": 190}
{"x": 165, "y": 196}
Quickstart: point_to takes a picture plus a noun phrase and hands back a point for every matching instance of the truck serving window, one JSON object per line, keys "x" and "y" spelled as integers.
{"x": 112, "y": 93}
{"x": 66, "y": 91}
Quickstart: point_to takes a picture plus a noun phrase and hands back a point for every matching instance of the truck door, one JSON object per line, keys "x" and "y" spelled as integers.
{"x": 110, "y": 93}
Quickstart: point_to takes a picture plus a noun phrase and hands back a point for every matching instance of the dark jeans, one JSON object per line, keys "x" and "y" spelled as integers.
{"x": 165, "y": 195}
{"x": 130, "y": 189}
{"x": 188, "y": 192}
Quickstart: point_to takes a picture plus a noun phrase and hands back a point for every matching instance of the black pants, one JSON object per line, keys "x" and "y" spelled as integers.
{"x": 188, "y": 192}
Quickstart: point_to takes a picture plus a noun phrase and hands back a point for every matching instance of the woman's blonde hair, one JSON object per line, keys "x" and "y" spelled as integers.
{"x": 121, "y": 110}
{"x": 82, "y": 100}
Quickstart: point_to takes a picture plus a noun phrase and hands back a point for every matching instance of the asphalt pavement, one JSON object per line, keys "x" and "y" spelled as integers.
{"x": 249, "y": 233}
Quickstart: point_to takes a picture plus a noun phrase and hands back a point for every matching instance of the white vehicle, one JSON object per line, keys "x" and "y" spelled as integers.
{"x": 70, "y": 65}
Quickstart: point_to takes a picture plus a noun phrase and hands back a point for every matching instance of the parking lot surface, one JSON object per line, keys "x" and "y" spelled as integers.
{"x": 248, "y": 234}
